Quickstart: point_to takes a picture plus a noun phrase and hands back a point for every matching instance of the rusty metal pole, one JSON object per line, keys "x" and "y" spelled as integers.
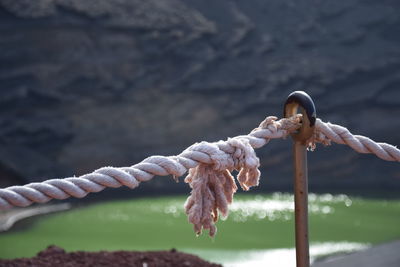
{"x": 301, "y": 204}
{"x": 301, "y": 100}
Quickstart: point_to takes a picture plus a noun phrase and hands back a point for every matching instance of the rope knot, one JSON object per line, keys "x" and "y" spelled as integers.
{"x": 212, "y": 183}
{"x": 246, "y": 162}
{"x": 273, "y": 125}
{"x": 214, "y": 156}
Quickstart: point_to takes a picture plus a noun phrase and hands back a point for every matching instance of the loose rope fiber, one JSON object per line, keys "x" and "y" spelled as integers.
{"x": 209, "y": 166}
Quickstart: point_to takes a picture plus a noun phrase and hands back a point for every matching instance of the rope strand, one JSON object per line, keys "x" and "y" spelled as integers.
{"x": 325, "y": 132}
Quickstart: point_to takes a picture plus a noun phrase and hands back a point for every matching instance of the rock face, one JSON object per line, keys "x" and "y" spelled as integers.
{"x": 84, "y": 84}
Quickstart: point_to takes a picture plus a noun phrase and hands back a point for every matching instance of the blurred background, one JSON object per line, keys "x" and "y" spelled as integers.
{"x": 87, "y": 84}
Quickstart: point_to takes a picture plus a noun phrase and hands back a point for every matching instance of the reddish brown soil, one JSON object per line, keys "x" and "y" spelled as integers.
{"x": 55, "y": 256}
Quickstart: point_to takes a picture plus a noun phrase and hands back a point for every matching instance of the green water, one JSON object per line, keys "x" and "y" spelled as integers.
{"x": 256, "y": 223}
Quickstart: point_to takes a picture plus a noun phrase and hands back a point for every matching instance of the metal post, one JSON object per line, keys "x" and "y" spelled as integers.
{"x": 296, "y": 100}
{"x": 301, "y": 204}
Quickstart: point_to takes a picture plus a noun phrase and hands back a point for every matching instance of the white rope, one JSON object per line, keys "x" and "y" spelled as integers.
{"x": 326, "y": 132}
{"x": 210, "y": 166}
{"x": 207, "y": 153}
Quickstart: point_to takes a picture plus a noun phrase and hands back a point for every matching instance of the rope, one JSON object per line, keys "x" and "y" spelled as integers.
{"x": 207, "y": 153}
{"x": 326, "y": 132}
{"x": 209, "y": 165}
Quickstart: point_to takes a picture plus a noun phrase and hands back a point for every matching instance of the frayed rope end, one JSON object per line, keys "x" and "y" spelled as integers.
{"x": 213, "y": 185}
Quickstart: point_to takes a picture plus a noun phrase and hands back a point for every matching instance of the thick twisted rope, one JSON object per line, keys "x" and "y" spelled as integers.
{"x": 326, "y": 132}
{"x": 79, "y": 187}
{"x": 209, "y": 165}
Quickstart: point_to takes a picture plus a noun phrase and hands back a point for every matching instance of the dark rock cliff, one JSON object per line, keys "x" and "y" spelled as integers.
{"x": 84, "y": 84}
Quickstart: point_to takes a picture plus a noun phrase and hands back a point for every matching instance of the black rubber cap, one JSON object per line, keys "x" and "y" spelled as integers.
{"x": 304, "y": 100}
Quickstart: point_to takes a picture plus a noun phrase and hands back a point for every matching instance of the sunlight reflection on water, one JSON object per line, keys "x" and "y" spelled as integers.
{"x": 283, "y": 257}
{"x": 278, "y": 206}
